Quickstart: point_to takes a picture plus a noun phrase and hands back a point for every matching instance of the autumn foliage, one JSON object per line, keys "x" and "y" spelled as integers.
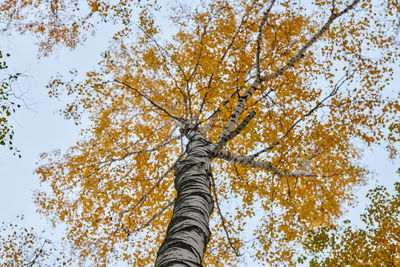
{"x": 375, "y": 244}
{"x": 313, "y": 79}
{"x": 24, "y": 246}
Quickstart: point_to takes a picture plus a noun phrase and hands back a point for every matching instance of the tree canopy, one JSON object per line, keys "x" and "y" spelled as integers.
{"x": 286, "y": 93}
{"x": 377, "y": 244}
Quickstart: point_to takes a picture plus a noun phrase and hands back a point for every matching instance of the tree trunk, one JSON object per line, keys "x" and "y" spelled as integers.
{"x": 188, "y": 232}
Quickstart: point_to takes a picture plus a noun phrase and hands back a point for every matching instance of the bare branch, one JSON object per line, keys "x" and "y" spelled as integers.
{"x": 33, "y": 261}
{"x": 151, "y": 101}
{"x": 222, "y": 217}
{"x": 145, "y": 195}
{"x": 155, "y": 216}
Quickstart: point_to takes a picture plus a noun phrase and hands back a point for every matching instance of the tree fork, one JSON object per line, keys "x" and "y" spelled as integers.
{"x": 188, "y": 232}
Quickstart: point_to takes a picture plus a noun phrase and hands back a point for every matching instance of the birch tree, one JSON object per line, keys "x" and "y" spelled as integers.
{"x": 221, "y": 113}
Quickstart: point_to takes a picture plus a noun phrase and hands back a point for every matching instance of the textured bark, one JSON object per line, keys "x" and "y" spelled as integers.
{"x": 188, "y": 232}
{"x": 257, "y": 164}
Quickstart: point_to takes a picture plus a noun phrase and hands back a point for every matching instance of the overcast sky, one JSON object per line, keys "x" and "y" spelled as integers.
{"x": 37, "y": 124}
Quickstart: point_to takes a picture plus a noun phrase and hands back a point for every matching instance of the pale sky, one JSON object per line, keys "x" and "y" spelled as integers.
{"x": 38, "y": 126}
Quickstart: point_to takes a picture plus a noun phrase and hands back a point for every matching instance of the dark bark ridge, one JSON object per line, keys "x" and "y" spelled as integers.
{"x": 188, "y": 232}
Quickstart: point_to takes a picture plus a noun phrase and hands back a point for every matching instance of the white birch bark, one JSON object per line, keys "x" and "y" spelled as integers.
{"x": 188, "y": 232}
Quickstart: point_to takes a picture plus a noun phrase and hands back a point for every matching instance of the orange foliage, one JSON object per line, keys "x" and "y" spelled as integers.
{"x": 21, "y": 246}
{"x": 375, "y": 244}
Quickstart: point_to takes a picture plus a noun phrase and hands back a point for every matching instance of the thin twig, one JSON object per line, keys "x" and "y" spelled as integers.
{"x": 151, "y": 101}
{"x": 319, "y": 104}
{"x": 222, "y": 217}
{"x": 155, "y": 216}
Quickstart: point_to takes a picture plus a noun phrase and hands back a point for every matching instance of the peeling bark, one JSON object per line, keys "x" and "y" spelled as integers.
{"x": 188, "y": 232}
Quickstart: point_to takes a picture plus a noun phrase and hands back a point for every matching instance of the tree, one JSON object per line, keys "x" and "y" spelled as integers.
{"x": 256, "y": 104}
{"x": 377, "y": 244}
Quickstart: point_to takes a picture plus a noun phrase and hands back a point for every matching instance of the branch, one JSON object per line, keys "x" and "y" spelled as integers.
{"x": 314, "y": 38}
{"x": 319, "y": 104}
{"x": 213, "y": 117}
{"x": 151, "y": 101}
{"x": 155, "y": 216}
{"x": 222, "y": 141}
{"x": 145, "y": 195}
{"x": 249, "y": 161}
{"x": 243, "y": 99}
{"x": 222, "y": 217}
{"x": 164, "y": 54}
{"x": 260, "y": 28}
{"x": 33, "y": 261}
{"x": 300, "y": 54}
{"x": 193, "y": 73}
